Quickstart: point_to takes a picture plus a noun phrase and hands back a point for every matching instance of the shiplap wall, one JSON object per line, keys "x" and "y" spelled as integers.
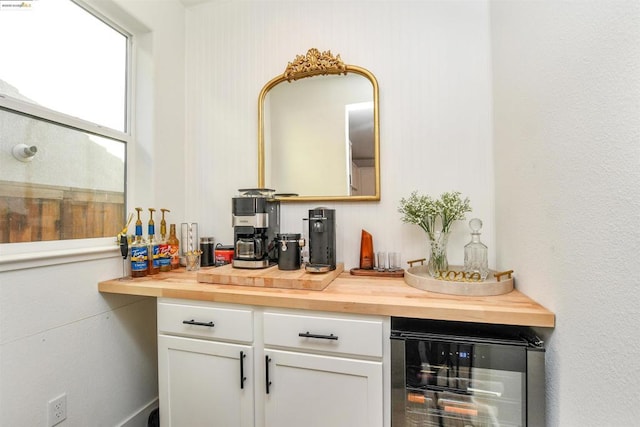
{"x": 432, "y": 62}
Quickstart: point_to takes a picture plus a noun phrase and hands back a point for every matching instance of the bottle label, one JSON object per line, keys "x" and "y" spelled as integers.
{"x": 155, "y": 255}
{"x": 165, "y": 256}
{"x": 175, "y": 256}
{"x": 139, "y": 258}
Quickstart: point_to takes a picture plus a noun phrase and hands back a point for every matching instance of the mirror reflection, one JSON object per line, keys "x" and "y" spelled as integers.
{"x": 318, "y": 136}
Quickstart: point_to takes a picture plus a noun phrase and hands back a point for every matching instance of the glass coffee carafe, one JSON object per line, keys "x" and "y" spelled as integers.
{"x": 249, "y": 248}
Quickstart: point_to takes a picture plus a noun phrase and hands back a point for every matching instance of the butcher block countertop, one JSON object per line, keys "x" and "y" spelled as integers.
{"x": 347, "y": 294}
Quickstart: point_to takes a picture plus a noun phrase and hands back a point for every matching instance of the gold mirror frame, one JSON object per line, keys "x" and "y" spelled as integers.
{"x": 316, "y": 63}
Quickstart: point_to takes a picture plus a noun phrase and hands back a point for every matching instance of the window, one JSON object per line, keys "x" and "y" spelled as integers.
{"x": 63, "y": 122}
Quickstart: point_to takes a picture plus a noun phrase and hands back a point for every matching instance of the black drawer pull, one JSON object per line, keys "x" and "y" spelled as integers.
{"x": 266, "y": 372}
{"x": 193, "y": 322}
{"x": 242, "y": 377}
{"x": 323, "y": 337}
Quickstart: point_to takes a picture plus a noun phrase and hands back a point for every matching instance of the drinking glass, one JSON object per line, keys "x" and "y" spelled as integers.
{"x": 381, "y": 258}
{"x": 193, "y": 261}
{"x": 395, "y": 263}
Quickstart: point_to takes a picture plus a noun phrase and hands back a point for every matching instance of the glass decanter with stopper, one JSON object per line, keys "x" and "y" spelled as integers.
{"x": 476, "y": 258}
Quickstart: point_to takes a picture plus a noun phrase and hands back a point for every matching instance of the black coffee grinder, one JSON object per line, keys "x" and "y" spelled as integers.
{"x": 256, "y": 223}
{"x": 322, "y": 240}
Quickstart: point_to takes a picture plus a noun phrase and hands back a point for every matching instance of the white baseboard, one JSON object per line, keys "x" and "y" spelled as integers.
{"x": 140, "y": 418}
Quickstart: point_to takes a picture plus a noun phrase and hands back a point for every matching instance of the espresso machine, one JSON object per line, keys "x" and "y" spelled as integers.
{"x": 322, "y": 240}
{"x": 256, "y": 223}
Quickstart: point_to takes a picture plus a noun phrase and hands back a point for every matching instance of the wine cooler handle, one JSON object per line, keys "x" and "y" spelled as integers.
{"x": 242, "y": 377}
{"x": 266, "y": 372}
{"x": 193, "y": 322}
{"x": 324, "y": 337}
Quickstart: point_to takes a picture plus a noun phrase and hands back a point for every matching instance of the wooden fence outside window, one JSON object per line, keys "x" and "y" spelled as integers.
{"x": 35, "y": 212}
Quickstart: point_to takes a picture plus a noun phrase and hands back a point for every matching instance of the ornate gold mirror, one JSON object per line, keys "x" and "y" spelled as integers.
{"x": 319, "y": 138}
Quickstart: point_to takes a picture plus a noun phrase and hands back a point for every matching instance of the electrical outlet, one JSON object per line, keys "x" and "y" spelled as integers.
{"x": 57, "y": 410}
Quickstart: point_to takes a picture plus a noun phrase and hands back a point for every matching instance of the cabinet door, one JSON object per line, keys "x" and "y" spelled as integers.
{"x": 200, "y": 383}
{"x": 319, "y": 391}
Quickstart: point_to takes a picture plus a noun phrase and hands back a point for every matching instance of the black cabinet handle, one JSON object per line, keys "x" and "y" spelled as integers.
{"x": 242, "y": 377}
{"x": 193, "y": 322}
{"x": 324, "y": 337}
{"x": 266, "y": 372}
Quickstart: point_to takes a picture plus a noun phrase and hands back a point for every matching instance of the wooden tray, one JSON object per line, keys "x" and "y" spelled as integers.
{"x": 376, "y": 273}
{"x": 419, "y": 277}
{"x": 270, "y": 277}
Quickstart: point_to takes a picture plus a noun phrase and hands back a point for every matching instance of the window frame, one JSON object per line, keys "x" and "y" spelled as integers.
{"x": 38, "y": 253}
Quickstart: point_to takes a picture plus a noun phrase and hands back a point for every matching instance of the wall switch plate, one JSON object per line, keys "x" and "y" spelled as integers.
{"x": 57, "y": 410}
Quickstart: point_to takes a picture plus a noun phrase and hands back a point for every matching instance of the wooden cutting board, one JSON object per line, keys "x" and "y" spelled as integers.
{"x": 270, "y": 277}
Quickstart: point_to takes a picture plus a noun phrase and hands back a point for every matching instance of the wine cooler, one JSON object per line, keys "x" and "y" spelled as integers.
{"x": 451, "y": 374}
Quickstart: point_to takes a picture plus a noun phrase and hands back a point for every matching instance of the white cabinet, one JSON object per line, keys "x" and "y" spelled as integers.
{"x": 323, "y": 370}
{"x": 204, "y": 378}
{"x": 200, "y": 383}
{"x": 357, "y": 336}
{"x": 232, "y": 365}
{"x": 318, "y": 391}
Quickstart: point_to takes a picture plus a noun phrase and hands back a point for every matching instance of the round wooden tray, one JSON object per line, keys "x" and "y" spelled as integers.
{"x": 419, "y": 277}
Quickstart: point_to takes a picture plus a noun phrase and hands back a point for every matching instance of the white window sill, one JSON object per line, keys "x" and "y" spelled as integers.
{"x": 19, "y": 256}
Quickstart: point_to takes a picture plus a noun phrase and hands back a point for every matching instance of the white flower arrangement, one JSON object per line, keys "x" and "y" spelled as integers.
{"x": 427, "y": 212}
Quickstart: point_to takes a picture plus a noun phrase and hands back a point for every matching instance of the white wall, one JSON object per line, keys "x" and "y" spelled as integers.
{"x": 431, "y": 60}
{"x": 565, "y": 85}
{"x": 567, "y": 129}
{"x": 564, "y": 76}
{"x": 57, "y": 333}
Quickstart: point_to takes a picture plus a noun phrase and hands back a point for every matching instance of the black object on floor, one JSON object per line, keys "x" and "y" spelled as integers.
{"x": 154, "y": 418}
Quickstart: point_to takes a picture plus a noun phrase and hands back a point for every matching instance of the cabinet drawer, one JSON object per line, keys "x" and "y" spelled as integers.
{"x": 202, "y": 321}
{"x": 333, "y": 334}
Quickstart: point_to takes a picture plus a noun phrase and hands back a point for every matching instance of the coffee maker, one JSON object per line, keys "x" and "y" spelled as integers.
{"x": 322, "y": 240}
{"x": 256, "y": 223}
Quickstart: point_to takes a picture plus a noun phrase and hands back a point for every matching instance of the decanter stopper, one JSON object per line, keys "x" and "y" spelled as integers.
{"x": 476, "y": 258}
